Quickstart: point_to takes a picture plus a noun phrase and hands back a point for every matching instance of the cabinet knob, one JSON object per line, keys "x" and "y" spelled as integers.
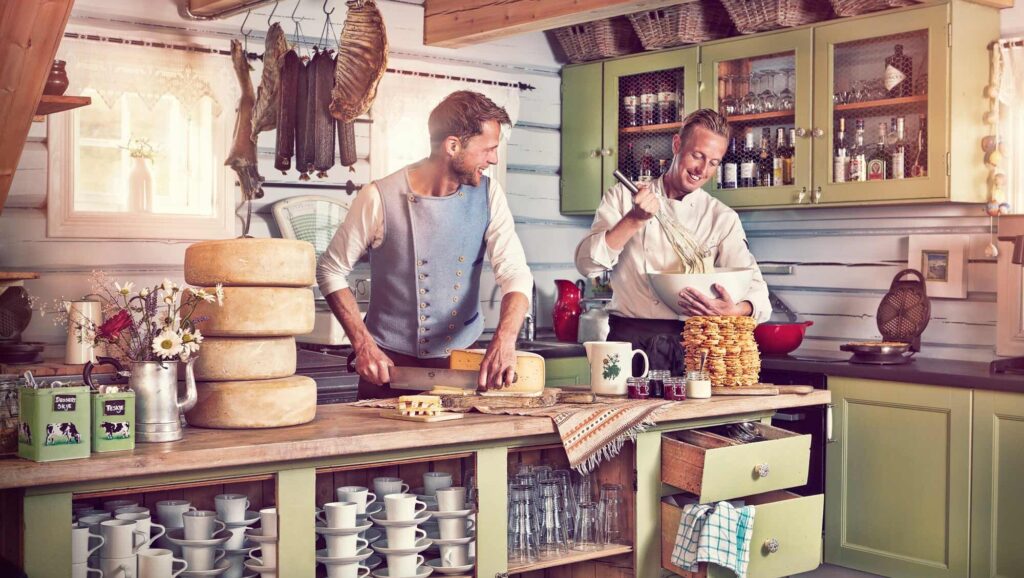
{"x": 771, "y": 545}
{"x": 817, "y": 133}
{"x": 606, "y": 152}
{"x": 801, "y": 132}
{"x": 595, "y": 153}
{"x": 761, "y": 471}
{"x": 800, "y": 195}
{"x": 816, "y": 195}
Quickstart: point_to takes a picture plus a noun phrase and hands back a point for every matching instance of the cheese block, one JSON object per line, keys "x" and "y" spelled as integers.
{"x": 529, "y": 371}
{"x": 259, "y": 312}
{"x": 239, "y": 358}
{"x": 251, "y": 263}
{"x": 254, "y": 404}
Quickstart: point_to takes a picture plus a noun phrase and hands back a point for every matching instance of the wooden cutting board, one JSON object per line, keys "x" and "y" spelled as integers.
{"x": 444, "y": 416}
{"x": 547, "y": 398}
{"x": 763, "y": 389}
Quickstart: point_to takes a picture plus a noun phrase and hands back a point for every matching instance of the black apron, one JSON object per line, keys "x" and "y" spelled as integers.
{"x": 660, "y": 339}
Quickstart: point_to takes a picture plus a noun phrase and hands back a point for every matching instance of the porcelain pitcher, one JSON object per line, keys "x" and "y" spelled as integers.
{"x": 611, "y": 364}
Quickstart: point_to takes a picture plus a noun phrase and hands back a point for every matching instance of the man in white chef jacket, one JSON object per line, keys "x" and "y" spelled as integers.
{"x": 625, "y": 239}
{"x": 427, "y": 228}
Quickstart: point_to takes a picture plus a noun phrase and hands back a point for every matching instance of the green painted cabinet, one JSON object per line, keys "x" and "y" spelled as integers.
{"x": 597, "y": 136}
{"x": 567, "y": 372}
{"x": 897, "y": 498}
{"x": 997, "y": 505}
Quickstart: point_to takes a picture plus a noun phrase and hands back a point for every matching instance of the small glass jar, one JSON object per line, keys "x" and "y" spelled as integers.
{"x": 637, "y": 388}
{"x": 698, "y": 385}
{"x": 675, "y": 388}
{"x": 656, "y": 381}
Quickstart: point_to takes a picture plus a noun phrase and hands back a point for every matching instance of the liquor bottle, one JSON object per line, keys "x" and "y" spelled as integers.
{"x": 858, "y": 156}
{"x": 765, "y": 163}
{"x": 730, "y": 167}
{"x": 646, "y": 165}
{"x": 629, "y": 108}
{"x": 667, "y": 100}
{"x": 899, "y": 74}
{"x": 748, "y": 162}
{"x": 898, "y": 170}
{"x": 840, "y": 160}
{"x": 628, "y": 162}
{"x": 662, "y": 165}
{"x": 778, "y": 173}
{"x": 879, "y": 159}
{"x": 787, "y": 159}
{"x": 920, "y": 166}
{"x": 648, "y": 101}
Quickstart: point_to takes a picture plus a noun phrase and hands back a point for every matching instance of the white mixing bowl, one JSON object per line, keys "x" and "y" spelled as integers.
{"x": 668, "y": 285}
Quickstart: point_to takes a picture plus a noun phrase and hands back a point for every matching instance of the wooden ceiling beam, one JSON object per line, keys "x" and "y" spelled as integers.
{"x": 458, "y": 23}
{"x": 204, "y": 9}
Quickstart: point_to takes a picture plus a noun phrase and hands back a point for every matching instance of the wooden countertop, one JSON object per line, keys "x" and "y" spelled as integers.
{"x": 338, "y": 430}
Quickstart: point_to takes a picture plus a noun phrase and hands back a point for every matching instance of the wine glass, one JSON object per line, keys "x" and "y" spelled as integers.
{"x": 727, "y": 104}
{"x": 786, "y": 96}
{"x": 750, "y": 103}
{"x": 769, "y": 99}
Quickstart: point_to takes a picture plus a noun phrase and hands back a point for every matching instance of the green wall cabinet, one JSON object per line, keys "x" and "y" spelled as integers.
{"x": 897, "y": 496}
{"x": 997, "y": 504}
{"x": 567, "y": 372}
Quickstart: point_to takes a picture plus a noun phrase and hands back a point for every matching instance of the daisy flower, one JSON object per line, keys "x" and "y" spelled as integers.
{"x": 126, "y": 289}
{"x": 190, "y": 341}
{"x": 167, "y": 344}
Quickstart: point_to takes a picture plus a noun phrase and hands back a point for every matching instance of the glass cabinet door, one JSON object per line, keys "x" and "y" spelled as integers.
{"x": 880, "y": 117}
{"x": 645, "y": 100}
{"x": 763, "y": 87}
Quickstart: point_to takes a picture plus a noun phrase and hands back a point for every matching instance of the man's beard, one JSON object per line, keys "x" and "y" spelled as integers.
{"x": 466, "y": 175}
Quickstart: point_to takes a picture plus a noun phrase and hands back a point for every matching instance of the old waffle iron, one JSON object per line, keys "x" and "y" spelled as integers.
{"x": 902, "y": 317}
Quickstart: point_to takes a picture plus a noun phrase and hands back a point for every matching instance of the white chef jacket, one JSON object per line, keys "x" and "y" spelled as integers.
{"x": 712, "y": 224}
{"x": 363, "y": 229}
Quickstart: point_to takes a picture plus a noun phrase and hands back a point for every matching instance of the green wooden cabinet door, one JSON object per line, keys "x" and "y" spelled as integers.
{"x": 897, "y": 479}
{"x": 567, "y": 372}
{"x": 997, "y": 504}
{"x": 581, "y": 138}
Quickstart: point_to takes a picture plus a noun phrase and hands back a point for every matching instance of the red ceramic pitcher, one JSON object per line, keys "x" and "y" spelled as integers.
{"x": 567, "y": 310}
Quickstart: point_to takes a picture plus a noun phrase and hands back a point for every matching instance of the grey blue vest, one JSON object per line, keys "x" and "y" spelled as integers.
{"x": 426, "y": 273}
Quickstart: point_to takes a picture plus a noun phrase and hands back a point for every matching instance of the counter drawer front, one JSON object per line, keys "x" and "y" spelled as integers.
{"x": 715, "y": 468}
{"x": 792, "y": 521}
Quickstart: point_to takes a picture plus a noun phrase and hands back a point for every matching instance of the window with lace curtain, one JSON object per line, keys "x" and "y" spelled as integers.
{"x": 1011, "y": 126}
{"x": 146, "y": 158}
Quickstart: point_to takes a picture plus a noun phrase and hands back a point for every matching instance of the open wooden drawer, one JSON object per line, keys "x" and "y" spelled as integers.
{"x": 714, "y": 467}
{"x": 786, "y": 540}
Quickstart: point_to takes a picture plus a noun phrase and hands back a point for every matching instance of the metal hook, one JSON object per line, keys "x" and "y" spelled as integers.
{"x": 294, "y": 10}
{"x": 325, "y": 9}
{"x": 245, "y": 35}
{"x": 276, "y": 2}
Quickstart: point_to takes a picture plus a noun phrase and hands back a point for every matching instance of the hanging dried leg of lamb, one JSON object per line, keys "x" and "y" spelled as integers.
{"x": 242, "y": 157}
{"x": 302, "y": 155}
{"x": 323, "y": 123}
{"x": 286, "y": 111}
{"x": 362, "y": 60}
{"x": 265, "y": 115}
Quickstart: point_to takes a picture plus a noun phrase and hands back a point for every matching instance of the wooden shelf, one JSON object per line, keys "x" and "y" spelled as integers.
{"x": 885, "y": 103}
{"x": 50, "y": 104}
{"x": 572, "y": 558}
{"x": 652, "y": 128}
{"x": 761, "y": 116}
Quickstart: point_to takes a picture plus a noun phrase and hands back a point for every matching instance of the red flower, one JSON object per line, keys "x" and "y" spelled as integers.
{"x": 113, "y": 327}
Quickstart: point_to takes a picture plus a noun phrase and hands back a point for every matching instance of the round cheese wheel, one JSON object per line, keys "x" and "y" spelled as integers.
{"x": 259, "y": 312}
{"x": 251, "y": 263}
{"x": 254, "y": 404}
{"x": 238, "y": 358}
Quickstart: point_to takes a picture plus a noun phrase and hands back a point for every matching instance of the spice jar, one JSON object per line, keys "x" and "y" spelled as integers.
{"x": 637, "y": 388}
{"x": 675, "y": 388}
{"x": 698, "y": 385}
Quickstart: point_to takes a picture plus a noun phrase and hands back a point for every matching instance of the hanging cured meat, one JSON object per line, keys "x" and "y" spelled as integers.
{"x": 323, "y": 124}
{"x": 286, "y": 111}
{"x": 303, "y": 116}
{"x": 362, "y": 60}
{"x": 347, "y": 144}
{"x": 265, "y": 114}
{"x": 242, "y": 157}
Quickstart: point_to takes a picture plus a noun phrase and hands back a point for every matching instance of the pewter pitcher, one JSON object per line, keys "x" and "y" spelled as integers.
{"x": 157, "y": 405}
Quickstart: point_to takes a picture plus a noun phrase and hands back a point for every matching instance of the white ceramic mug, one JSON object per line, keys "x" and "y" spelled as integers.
{"x": 121, "y": 539}
{"x": 454, "y": 555}
{"x": 404, "y": 565}
{"x": 80, "y": 538}
{"x": 268, "y": 522}
{"x": 159, "y": 563}
{"x": 402, "y": 507}
{"x": 83, "y": 570}
{"x": 268, "y": 555}
{"x": 360, "y": 495}
{"x": 611, "y": 364}
{"x": 353, "y": 570}
{"x": 169, "y": 512}
{"x": 451, "y": 499}
{"x": 434, "y": 481}
{"x": 83, "y": 319}
{"x": 236, "y": 565}
{"x": 237, "y": 539}
{"x": 341, "y": 515}
{"x": 119, "y": 567}
{"x": 231, "y": 507}
{"x": 455, "y": 528}
{"x": 201, "y": 524}
{"x": 404, "y": 536}
{"x": 385, "y": 486}
{"x": 345, "y": 546}
{"x": 201, "y": 557}
{"x": 145, "y": 524}
{"x": 132, "y": 510}
{"x": 112, "y": 505}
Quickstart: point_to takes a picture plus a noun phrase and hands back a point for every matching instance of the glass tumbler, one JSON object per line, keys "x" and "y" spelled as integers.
{"x": 587, "y": 531}
{"x": 611, "y": 513}
{"x": 522, "y": 537}
{"x": 554, "y": 537}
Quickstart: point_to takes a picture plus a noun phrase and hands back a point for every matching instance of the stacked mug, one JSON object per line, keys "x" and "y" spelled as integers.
{"x": 342, "y": 529}
{"x": 201, "y": 538}
{"x": 82, "y": 548}
{"x": 406, "y": 540}
{"x": 233, "y": 510}
{"x": 456, "y": 532}
{"x": 265, "y": 538}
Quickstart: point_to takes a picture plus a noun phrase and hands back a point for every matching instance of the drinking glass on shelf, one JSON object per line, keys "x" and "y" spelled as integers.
{"x": 554, "y": 537}
{"x": 611, "y": 513}
{"x": 727, "y": 105}
{"x": 750, "y": 102}
{"x": 585, "y": 488}
{"x": 568, "y": 498}
{"x": 786, "y": 96}
{"x": 588, "y": 528}
{"x": 769, "y": 101}
{"x": 522, "y": 536}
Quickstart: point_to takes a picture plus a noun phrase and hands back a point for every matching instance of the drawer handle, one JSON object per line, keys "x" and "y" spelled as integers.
{"x": 761, "y": 471}
{"x": 771, "y": 545}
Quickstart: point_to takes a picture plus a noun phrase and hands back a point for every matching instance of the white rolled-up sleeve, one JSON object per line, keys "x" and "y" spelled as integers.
{"x": 504, "y": 249}
{"x": 362, "y": 229}
{"x": 733, "y": 251}
{"x": 593, "y": 255}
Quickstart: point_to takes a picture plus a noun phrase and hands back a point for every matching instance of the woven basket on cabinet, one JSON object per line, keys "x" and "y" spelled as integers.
{"x": 752, "y": 16}
{"x": 598, "y": 39}
{"x": 681, "y": 24}
{"x": 855, "y": 7}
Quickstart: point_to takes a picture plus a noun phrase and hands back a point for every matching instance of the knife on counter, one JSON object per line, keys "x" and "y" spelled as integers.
{"x": 425, "y": 379}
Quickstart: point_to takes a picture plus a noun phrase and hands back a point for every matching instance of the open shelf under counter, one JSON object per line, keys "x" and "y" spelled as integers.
{"x": 760, "y": 117}
{"x": 919, "y": 99}
{"x": 572, "y": 558}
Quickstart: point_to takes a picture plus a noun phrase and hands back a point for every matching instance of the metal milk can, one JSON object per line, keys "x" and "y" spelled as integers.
{"x": 157, "y": 405}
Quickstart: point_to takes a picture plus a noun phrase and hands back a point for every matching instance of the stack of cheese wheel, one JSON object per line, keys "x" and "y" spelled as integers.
{"x": 245, "y": 370}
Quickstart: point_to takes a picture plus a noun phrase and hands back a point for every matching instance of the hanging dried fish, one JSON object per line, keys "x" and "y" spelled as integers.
{"x": 323, "y": 123}
{"x": 286, "y": 111}
{"x": 303, "y": 129}
{"x": 362, "y": 60}
{"x": 242, "y": 157}
{"x": 347, "y": 144}
{"x": 265, "y": 115}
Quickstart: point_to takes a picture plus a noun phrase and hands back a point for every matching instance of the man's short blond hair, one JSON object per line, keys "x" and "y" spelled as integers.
{"x": 707, "y": 119}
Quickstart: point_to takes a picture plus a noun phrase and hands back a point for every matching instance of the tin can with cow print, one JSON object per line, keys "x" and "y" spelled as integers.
{"x": 113, "y": 421}
{"x": 54, "y": 423}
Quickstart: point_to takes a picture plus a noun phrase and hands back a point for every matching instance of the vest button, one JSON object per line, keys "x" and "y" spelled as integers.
{"x": 455, "y": 299}
{"x": 451, "y": 326}
{"x": 462, "y": 194}
{"x": 446, "y": 350}
{"x": 423, "y": 317}
{"x": 421, "y": 263}
{"x": 449, "y": 338}
{"x": 461, "y": 259}
{"x": 423, "y": 291}
{"x": 423, "y": 305}
{"x": 458, "y": 273}
{"x": 424, "y": 340}
{"x": 423, "y": 276}
{"x": 455, "y": 313}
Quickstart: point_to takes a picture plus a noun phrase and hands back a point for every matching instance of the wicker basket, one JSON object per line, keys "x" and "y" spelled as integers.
{"x": 682, "y": 24}
{"x": 599, "y": 39}
{"x": 855, "y": 7}
{"x": 752, "y": 16}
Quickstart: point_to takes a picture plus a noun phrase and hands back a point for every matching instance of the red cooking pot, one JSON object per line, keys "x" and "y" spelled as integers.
{"x": 780, "y": 338}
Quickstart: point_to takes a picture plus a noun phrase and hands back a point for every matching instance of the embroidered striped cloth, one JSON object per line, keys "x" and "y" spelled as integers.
{"x": 718, "y": 534}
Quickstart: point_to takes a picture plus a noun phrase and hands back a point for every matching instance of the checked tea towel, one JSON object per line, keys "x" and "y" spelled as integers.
{"x": 718, "y": 534}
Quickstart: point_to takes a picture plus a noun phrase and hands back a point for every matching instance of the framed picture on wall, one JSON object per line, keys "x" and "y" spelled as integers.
{"x": 942, "y": 260}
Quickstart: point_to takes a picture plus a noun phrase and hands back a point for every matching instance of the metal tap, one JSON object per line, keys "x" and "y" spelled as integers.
{"x": 529, "y": 332}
